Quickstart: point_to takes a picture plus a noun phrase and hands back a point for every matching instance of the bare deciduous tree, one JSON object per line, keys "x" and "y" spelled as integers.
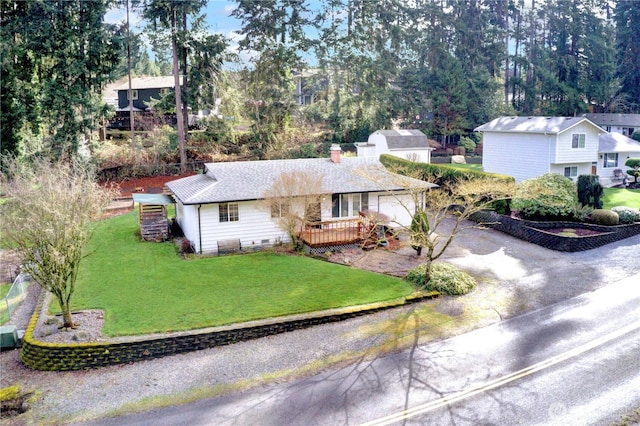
{"x": 455, "y": 204}
{"x": 438, "y": 214}
{"x": 48, "y": 216}
{"x": 293, "y": 199}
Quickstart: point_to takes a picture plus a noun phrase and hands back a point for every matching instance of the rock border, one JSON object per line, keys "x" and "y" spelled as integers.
{"x": 535, "y": 232}
{"x": 47, "y": 356}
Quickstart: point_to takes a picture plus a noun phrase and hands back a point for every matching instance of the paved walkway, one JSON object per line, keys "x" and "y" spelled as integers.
{"x": 514, "y": 277}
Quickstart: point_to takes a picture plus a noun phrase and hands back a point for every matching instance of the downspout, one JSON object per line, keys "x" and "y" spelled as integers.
{"x": 199, "y": 229}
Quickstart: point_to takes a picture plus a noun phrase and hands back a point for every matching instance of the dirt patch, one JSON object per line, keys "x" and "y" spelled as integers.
{"x": 150, "y": 184}
{"x": 578, "y": 232}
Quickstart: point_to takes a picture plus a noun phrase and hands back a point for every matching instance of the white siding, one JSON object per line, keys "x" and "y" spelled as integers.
{"x": 583, "y": 169}
{"x": 365, "y": 150}
{"x": 423, "y": 155}
{"x": 187, "y": 218}
{"x": 522, "y": 156}
{"x": 380, "y": 142}
{"x": 566, "y": 154}
{"x": 254, "y": 227}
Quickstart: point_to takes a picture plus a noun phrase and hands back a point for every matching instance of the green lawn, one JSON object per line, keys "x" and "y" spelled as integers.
{"x": 621, "y": 197}
{"x": 4, "y": 315}
{"x": 477, "y": 167}
{"x": 146, "y": 287}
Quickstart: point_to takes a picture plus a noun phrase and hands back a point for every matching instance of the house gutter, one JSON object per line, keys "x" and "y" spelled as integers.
{"x": 199, "y": 229}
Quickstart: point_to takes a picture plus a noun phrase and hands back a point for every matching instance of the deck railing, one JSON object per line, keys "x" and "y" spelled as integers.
{"x": 333, "y": 232}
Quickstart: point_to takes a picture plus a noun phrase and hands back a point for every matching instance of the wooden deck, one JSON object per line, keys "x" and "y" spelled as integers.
{"x": 340, "y": 232}
{"x": 332, "y": 233}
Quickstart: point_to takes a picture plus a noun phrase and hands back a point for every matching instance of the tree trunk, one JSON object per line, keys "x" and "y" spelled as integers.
{"x": 130, "y": 91}
{"x": 66, "y": 318}
{"x": 427, "y": 272}
{"x": 176, "y": 76}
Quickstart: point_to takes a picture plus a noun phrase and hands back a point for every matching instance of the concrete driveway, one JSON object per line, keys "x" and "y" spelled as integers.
{"x": 513, "y": 276}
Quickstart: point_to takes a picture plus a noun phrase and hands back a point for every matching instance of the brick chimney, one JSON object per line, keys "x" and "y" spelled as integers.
{"x": 336, "y": 153}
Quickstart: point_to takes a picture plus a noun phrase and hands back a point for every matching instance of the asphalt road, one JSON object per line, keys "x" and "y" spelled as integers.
{"x": 573, "y": 362}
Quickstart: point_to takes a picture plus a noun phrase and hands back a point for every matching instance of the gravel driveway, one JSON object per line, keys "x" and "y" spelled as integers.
{"x": 514, "y": 277}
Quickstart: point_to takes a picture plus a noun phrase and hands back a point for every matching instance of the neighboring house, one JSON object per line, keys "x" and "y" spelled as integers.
{"x": 527, "y": 147}
{"x": 614, "y": 150}
{"x": 308, "y": 86}
{"x": 624, "y": 124}
{"x": 407, "y": 144}
{"x": 143, "y": 89}
{"x": 225, "y": 205}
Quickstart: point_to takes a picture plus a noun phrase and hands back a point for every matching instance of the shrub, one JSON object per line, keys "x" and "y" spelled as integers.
{"x": 468, "y": 144}
{"x": 548, "y": 196}
{"x": 627, "y": 214}
{"x": 634, "y": 163}
{"x": 590, "y": 191}
{"x": 445, "y": 278}
{"x": 604, "y": 217}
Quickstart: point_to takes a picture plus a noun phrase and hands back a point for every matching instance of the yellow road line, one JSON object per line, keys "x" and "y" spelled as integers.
{"x": 438, "y": 403}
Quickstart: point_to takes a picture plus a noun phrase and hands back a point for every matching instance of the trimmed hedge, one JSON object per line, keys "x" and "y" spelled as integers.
{"x": 439, "y": 174}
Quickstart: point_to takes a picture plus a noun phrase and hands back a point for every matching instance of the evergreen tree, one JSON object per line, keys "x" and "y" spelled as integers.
{"x": 57, "y": 57}
{"x": 627, "y": 19}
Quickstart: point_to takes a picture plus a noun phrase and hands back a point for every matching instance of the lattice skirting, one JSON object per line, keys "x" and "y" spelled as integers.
{"x": 333, "y": 249}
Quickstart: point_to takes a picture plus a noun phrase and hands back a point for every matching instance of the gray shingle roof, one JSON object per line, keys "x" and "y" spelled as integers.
{"x": 630, "y": 120}
{"x": 553, "y": 125}
{"x": 250, "y": 180}
{"x": 405, "y": 139}
{"x": 616, "y": 142}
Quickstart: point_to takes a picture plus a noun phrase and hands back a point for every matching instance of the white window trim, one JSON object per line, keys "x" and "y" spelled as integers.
{"x": 581, "y": 142}
{"x": 230, "y": 217}
{"x": 605, "y": 161}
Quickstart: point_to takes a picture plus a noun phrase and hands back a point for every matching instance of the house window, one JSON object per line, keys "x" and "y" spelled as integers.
{"x": 134, "y": 94}
{"x": 577, "y": 140}
{"x": 608, "y": 129}
{"x": 348, "y": 205}
{"x": 228, "y": 212}
{"x": 571, "y": 172}
{"x": 610, "y": 160}
{"x": 628, "y": 131}
{"x": 280, "y": 209}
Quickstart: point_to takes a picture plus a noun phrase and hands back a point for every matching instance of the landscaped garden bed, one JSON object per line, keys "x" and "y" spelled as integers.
{"x": 558, "y": 235}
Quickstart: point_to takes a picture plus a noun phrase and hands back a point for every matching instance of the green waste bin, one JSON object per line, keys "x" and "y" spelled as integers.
{"x": 8, "y": 336}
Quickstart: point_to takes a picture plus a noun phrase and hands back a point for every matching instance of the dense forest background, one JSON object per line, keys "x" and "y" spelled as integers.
{"x": 442, "y": 66}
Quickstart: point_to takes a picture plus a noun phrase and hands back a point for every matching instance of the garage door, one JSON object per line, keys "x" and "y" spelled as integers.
{"x": 392, "y": 208}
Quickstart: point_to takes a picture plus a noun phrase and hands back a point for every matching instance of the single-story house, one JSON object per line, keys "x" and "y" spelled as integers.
{"x": 410, "y": 144}
{"x": 227, "y": 205}
{"x": 625, "y": 124}
{"x": 527, "y": 147}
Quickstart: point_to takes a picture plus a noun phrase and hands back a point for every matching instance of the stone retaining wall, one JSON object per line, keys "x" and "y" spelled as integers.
{"x": 534, "y": 232}
{"x": 80, "y": 356}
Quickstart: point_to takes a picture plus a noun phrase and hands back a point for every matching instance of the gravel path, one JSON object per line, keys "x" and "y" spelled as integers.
{"x": 514, "y": 277}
